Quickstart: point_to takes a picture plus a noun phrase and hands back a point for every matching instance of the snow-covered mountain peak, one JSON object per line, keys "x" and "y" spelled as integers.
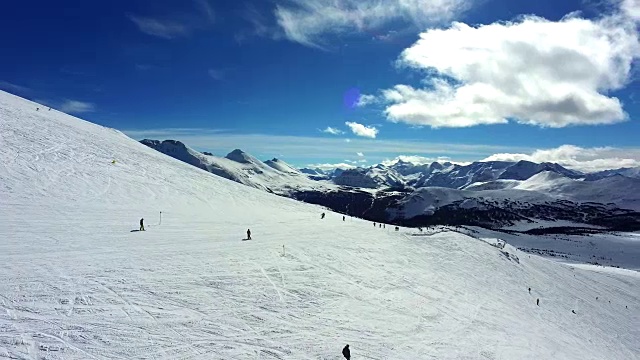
{"x": 240, "y": 156}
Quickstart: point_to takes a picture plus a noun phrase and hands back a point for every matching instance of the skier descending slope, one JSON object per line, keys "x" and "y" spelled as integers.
{"x": 346, "y": 352}
{"x": 248, "y": 234}
{"x": 142, "y": 224}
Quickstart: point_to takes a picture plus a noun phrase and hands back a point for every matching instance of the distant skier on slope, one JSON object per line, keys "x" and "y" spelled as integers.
{"x": 342, "y": 217}
{"x": 322, "y": 216}
{"x": 346, "y": 352}
{"x": 142, "y": 224}
{"x": 248, "y": 234}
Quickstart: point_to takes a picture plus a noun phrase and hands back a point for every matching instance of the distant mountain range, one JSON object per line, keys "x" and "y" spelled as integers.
{"x": 273, "y": 175}
{"x": 494, "y": 194}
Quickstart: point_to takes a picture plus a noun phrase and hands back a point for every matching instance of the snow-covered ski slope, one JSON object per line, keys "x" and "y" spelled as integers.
{"x": 76, "y": 283}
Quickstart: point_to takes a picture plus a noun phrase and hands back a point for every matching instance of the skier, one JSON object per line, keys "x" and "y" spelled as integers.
{"x": 142, "y": 224}
{"x": 384, "y": 226}
{"x": 374, "y": 224}
{"x": 322, "y": 216}
{"x": 342, "y": 217}
{"x": 380, "y": 225}
{"x": 346, "y": 352}
{"x": 248, "y": 234}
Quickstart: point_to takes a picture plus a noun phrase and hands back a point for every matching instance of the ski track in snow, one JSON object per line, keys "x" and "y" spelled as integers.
{"x": 77, "y": 283}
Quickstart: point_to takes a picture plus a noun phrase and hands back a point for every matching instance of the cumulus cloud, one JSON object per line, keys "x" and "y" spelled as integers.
{"x": 578, "y": 158}
{"x": 360, "y": 154}
{"x": 76, "y": 107}
{"x": 533, "y": 71}
{"x": 365, "y": 100}
{"x": 362, "y": 130}
{"x": 327, "y": 166}
{"x": 308, "y": 21}
{"x": 332, "y": 131}
{"x": 631, "y": 8}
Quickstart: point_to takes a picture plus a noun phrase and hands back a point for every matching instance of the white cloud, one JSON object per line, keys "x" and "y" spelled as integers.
{"x": 165, "y": 29}
{"x": 221, "y": 141}
{"x": 583, "y": 159}
{"x": 362, "y": 160}
{"x": 216, "y": 74}
{"x": 362, "y": 130}
{"x": 365, "y": 100}
{"x": 333, "y": 131}
{"x": 631, "y": 8}
{"x": 421, "y": 160}
{"x": 325, "y": 166}
{"x": 180, "y": 24}
{"x": 308, "y": 21}
{"x": 359, "y": 154}
{"x": 534, "y": 71}
{"x": 76, "y": 107}
{"x": 14, "y": 88}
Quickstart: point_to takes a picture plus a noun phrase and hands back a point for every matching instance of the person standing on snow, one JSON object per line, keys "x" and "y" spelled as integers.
{"x": 346, "y": 352}
{"x": 248, "y": 234}
{"x": 342, "y": 217}
{"x": 142, "y": 224}
{"x": 322, "y": 216}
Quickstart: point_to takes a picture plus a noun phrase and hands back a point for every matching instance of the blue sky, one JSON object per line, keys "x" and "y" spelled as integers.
{"x": 269, "y": 76}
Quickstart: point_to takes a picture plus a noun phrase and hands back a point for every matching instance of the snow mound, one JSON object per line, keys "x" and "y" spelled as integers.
{"x": 78, "y": 281}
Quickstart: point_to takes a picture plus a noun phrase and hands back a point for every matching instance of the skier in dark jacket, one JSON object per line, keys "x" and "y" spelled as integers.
{"x": 346, "y": 352}
{"x": 141, "y": 224}
{"x": 322, "y": 216}
{"x": 248, "y": 234}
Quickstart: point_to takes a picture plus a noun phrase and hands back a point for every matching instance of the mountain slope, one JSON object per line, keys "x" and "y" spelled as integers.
{"x": 273, "y": 176}
{"x": 374, "y": 177}
{"x": 77, "y": 283}
{"x": 282, "y": 166}
{"x": 628, "y": 172}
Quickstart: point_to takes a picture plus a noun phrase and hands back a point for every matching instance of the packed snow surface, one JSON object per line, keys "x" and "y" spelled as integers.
{"x": 78, "y": 282}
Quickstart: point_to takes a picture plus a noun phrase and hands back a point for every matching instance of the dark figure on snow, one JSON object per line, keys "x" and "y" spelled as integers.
{"x": 248, "y": 234}
{"x": 49, "y": 109}
{"x": 529, "y": 290}
{"x": 374, "y": 224}
{"x": 384, "y": 226}
{"x": 346, "y": 352}
{"x": 141, "y": 224}
{"x": 397, "y": 228}
{"x": 322, "y": 216}
{"x": 380, "y": 225}
{"x": 538, "y": 302}
{"x": 37, "y": 109}
{"x": 343, "y": 217}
